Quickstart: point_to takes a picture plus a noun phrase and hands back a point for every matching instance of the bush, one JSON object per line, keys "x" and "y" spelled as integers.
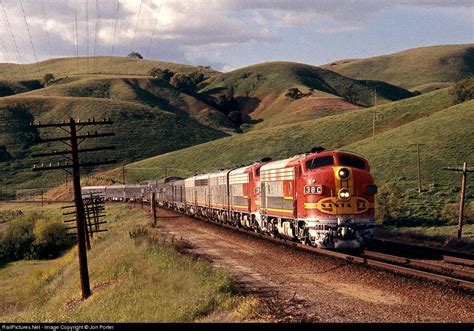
{"x": 33, "y": 236}
{"x": 50, "y": 238}
{"x": 16, "y": 242}
{"x": 463, "y": 90}
{"x": 157, "y": 73}
{"x": 451, "y": 213}
{"x": 388, "y": 204}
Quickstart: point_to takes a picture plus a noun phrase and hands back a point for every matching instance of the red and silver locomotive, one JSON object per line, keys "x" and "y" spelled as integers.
{"x": 324, "y": 199}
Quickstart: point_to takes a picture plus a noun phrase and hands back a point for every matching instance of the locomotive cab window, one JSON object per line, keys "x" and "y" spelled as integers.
{"x": 351, "y": 161}
{"x": 319, "y": 162}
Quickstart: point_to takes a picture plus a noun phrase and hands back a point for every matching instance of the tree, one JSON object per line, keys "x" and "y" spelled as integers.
{"x": 197, "y": 77}
{"x": 234, "y": 116}
{"x": 183, "y": 83}
{"x": 293, "y": 93}
{"x": 48, "y": 79}
{"x": 350, "y": 94}
{"x": 463, "y": 90}
{"x": 157, "y": 73}
{"x": 135, "y": 55}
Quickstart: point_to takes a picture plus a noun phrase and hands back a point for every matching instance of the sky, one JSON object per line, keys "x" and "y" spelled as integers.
{"x": 229, "y": 34}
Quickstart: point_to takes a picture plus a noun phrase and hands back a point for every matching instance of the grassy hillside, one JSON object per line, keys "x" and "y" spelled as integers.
{"x": 104, "y": 66}
{"x": 447, "y": 139}
{"x": 260, "y": 92}
{"x": 413, "y": 68}
{"x": 331, "y": 132}
{"x": 145, "y": 91}
{"x": 430, "y": 119}
{"x": 140, "y": 131}
{"x": 133, "y": 279}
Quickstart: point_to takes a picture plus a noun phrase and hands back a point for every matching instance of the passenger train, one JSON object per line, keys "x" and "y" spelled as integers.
{"x": 321, "y": 198}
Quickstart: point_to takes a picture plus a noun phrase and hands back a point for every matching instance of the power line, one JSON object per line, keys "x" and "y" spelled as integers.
{"x": 4, "y": 51}
{"x": 29, "y": 35}
{"x": 87, "y": 34}
{"x": 76, "y": 37}
{"x": 46, "y": 29}
{"x": 154, "y": 29}
{"x": 97, "y": 28}
{"x": 12, "y": 38}
{"x": 135, "y": 30}
{"x": 113, "y": 38}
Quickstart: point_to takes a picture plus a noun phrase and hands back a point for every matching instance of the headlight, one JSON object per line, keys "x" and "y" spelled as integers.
{"x": 343, "y": 173}
{"x": 344, "y": 194}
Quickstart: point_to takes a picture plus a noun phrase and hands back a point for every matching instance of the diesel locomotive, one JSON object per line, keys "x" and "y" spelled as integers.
{"x": 323, "y": 199}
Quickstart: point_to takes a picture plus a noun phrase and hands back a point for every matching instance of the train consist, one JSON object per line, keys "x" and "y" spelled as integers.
{"x": 324, "y": 199}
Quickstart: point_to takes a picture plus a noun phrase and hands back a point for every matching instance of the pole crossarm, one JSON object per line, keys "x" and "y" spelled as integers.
{"x": 458, "y": 169}
{"x": 69, "y": 166}
{"x": 67, "y": 124}
{"x": 88, "y": 135}
{"x": 84, "y": 150}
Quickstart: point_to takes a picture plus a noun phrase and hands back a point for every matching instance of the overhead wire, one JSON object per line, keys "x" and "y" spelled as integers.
{"x": 45, "y": 25}
{"x": 112, "y": 41}
{"x": 135, "y": 31}
{"x": 154, "y": 29}
{"x": 29, "y": 35}
{"x": 97, "y": 29}
{"x": 76, "y": 37}
{"x": 12, "y": 39}
{"x": 87, "y": 35}
{"x": 4, "y": 51}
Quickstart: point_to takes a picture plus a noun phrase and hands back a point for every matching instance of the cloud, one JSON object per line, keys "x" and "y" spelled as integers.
{"x": 180, "y": 30}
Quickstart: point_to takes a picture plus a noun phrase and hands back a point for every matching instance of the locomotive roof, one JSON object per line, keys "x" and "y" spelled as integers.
{"x": 280, "y": 163}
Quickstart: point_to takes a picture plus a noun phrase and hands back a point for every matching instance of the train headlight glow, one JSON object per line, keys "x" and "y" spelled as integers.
{"x": 344, "y": 194}
{"x": 343, "y": 173}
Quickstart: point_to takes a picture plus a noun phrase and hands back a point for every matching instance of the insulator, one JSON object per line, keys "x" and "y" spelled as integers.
{"x": 58, "y": 164}
{"x": 42, "y": 165}
{"x": 50, "y": 165}
{"x": 34, "y": 166}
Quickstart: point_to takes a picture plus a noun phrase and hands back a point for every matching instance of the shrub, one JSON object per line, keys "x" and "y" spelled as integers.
{"x": 463, "y": 90}
{"x": 388, "y": 204}
{"x": 157, "y": 73}
{"x": 50, "y": 238}
{"x": 135, "y": 55}
{"x": 16, "y": 242}
{"x": 451, "y": 213}
{"x": 33, "y": 236}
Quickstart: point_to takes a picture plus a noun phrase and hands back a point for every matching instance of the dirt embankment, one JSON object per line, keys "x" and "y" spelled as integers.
{"x": 303, "y": 287}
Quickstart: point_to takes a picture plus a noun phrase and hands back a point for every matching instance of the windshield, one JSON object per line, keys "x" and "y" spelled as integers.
{"x": 319, "y": 162}
{"x": 351, "y": 161}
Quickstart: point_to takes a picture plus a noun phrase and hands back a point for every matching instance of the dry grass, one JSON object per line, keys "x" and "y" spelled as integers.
{"x": 133, "y": 280}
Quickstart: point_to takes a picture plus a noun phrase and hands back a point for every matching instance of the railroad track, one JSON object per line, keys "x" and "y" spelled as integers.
{"x": 450, "y": 276}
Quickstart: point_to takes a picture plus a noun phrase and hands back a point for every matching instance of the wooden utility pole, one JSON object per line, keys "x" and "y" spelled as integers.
{"x": 419, "y": 164}
{"x": 374, "y": 114}
{"x": 464, "y": 171}
{"x": 123, "y": 174}
{"x": 73, "y": 140}
{"x": 153, "y": 208}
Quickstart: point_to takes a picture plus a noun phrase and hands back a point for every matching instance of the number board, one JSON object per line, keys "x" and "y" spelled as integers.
{"x": 314, "y": 189}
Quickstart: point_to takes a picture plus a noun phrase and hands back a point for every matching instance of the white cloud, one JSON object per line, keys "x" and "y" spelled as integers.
{"x": 185, "y": 27}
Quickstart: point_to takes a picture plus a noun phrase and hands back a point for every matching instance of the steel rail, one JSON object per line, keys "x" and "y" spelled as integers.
{"x": 356, "y": 259}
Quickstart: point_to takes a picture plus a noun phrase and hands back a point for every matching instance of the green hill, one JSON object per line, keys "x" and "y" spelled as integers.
{"x": 331, "y": 132}
{"x": 431, "y": 119}
{"x": 103, "y": 66}
{"x": 141, "y": 131}
{"x": 413, "y": 68}
{"x": 259, "y": 91}
{"x": 151, "y": 92}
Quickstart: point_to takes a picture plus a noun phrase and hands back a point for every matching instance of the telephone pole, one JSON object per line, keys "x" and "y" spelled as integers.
{"x": 374, "y": 114}
{"x": 419, "y": 164}
{"x": 464, "y": 172}
{"x": 73, "y": 140}
{"x": 123, "y": 174}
